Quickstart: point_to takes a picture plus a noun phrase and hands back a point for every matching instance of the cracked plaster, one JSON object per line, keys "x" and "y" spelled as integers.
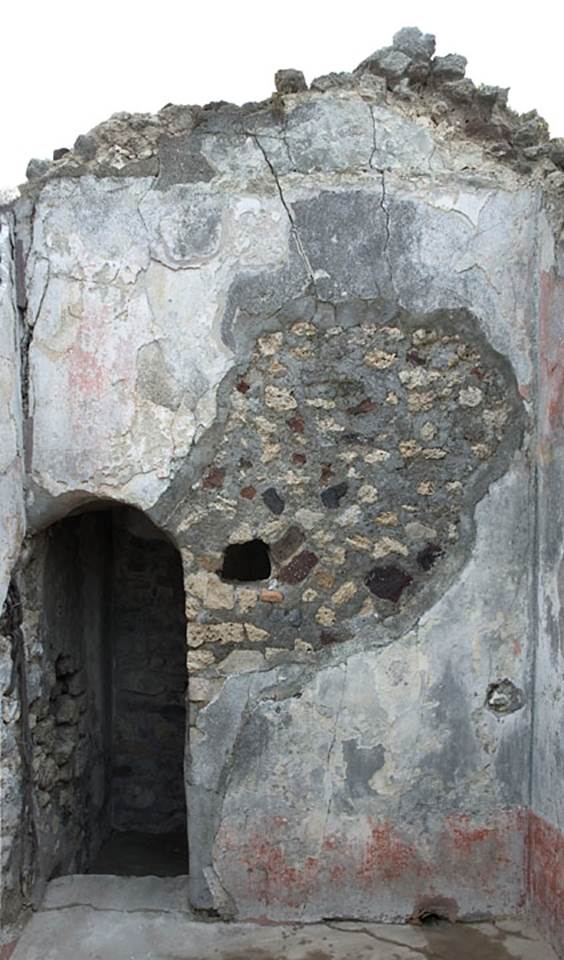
{"x": 143, "y": 295}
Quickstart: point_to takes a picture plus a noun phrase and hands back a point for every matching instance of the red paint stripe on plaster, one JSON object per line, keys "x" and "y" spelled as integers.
{"x": 7, "y": 950}
{"x": 546, "y": 878}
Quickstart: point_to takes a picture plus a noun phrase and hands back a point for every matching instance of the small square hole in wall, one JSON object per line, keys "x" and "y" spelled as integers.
{"x": 246, "y": 562}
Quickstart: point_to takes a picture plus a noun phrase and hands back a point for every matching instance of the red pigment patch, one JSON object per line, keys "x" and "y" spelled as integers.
{"x": 296, "y": 424}
{"x": 365, "y": 406}
{"x": 460, "y": 857}
{"x": 546, "y": 877}
{"x": 299, "y": 459}
{"x": 214, "y": 478}
{"x": 387, "y": 856}
{"x": 326, "y": 473}
{"x": 274, "y": 879}
{"x": 551, "y": 350}
{"x": 7, "y": 950}
{"x": 243, "y": 387}
{"x": 249, "y": 493}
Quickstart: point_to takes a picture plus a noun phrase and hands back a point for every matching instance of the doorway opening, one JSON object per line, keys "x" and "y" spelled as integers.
{"x": 113, "y": 630}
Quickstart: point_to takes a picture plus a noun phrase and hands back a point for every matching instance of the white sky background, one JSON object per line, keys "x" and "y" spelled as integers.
{"x": 66, "y": 66}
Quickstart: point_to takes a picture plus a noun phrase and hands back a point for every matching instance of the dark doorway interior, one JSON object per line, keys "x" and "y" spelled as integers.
{"x": 115, "y": 618}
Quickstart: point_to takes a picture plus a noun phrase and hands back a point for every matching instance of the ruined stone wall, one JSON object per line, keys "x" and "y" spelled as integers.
{"x": 63, "y": 808}
{"x": 311, "y": 326}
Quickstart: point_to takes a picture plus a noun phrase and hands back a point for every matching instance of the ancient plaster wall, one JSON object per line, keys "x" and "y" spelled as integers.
{"x": 547, "y": 806}
{"x": 314, "y": 322}
{"x": 319, "y": 701}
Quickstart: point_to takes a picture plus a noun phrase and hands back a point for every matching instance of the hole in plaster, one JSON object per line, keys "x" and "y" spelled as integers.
{"x": 246, "y": 562}
{"x": 504, "y": 697}
{"x": 428, "y": 918}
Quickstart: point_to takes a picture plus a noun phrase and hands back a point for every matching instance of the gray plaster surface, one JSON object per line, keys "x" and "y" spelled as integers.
{"x": 111, "y": 918}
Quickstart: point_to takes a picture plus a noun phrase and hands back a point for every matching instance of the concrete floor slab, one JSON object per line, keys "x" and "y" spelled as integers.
{"x": 109, "y": 892}
{"x": 111, "y": 918}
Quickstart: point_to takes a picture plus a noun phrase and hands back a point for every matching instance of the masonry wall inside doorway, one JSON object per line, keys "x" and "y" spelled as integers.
{"x": 108, "y": 730}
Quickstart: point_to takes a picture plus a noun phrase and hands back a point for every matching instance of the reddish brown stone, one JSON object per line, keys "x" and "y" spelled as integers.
{"x": 298, "y": 569}
{"x": 326, "y": 473}
{"x": 299, "y": 458}
{"x": 271, "y": 596}
{"x": 478, "y": 373}
{"x": 296, "y": 424}
{"x": 214, "y": 478}
{"x": 243, "y": 386}
{"x": 249, "y": 493}
{"x": 388, "y": 582}
{"x": 365, "y": 406}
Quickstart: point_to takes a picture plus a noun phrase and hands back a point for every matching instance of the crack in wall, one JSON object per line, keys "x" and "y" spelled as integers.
{"x": 387, "y": 227}
{"x": 287, "y": 208}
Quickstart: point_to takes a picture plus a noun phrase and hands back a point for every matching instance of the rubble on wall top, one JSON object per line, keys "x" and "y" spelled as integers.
{"x": 406, "y": 73}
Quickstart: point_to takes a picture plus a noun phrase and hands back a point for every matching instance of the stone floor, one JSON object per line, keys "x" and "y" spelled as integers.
{"x": 130, "y": 854}
{"x": 145, "y": 918}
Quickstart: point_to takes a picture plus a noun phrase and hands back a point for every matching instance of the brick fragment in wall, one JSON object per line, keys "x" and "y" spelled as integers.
{"x": 299, "y": 568}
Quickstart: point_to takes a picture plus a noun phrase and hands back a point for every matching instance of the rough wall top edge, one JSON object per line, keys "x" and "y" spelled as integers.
{"x": 406, "y": 77}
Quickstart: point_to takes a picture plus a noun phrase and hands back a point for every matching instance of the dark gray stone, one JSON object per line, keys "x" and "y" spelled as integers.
{"x": 273, "y": 501}
{"x": 37, "y": 168}
{"x": 532, "y": 130}
{"x": 556, "y": 151}
{"x": 331, "y": 81}
{"x": 387, "y": 62}
{"x": 333, "y": 495}
{"x": 290, "y": 81}
{"x": 462, "y": 91}
{"x": 493, "y": 95}
{"x": 414, "y": 43}
{"x": 451, "y": 67}
{"x": 85, "y": 146}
